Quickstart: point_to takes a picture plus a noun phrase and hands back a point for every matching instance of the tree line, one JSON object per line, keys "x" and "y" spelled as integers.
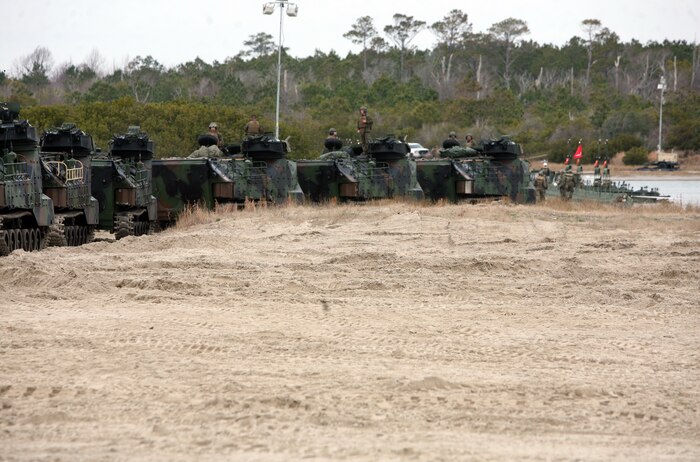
{"x": 594, "y": 88}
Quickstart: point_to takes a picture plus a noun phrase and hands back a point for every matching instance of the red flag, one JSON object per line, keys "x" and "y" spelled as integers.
{"x": 579, "y": 152}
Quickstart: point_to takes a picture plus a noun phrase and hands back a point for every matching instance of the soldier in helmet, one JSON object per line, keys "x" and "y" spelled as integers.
{"x": 451, "y": 141}
{"x": 214, "y": 131}
{"x": 332, "y": 142}
{"x": 364, "y": 127}
{"x": 541, "y": 184}
{"x": 566, "y": 183}
{"x": 253, "y": 127}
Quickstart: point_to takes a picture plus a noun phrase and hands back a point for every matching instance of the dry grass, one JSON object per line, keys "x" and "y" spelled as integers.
{"x": 293, "y": 213}
{"x": 196, "y": 214}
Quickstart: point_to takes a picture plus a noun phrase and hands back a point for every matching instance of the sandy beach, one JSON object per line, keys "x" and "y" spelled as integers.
{"x": 385, "y": 331}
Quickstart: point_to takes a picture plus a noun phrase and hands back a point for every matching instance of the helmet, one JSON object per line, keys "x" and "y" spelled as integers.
{"x": 213, "y": 125}
{"x": 363, "y": 108}
{"x": 332, "y": 131}
{"x": 453, "y": 134}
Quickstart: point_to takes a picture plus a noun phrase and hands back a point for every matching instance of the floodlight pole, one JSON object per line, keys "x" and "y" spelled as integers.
{"x": 281, "y": 4}
{"x": 279, "y": 75}
{"x": 662, "y": 87}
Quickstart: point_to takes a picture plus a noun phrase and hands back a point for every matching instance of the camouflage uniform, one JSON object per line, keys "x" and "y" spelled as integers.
{"x": 332, "y": 143}
{"x": 541, "y": 184}
{"x": 451, "y": 141}
{"x": 253, "y": 127}
{"x": 214, "y": 131}
{"x": 567, "y": 183}
{"x": 364, "y": 127}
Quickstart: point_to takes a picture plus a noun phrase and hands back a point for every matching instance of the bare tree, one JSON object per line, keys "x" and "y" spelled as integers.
{"x": 142, "y": 74}
{"x": 72, "y": 78}
{"x": 591, "y": 27}
{"x": 449, "y": 32}
{"x": 33, "y": 69}
{"x": 507, "y": 32}
{"x": 362, "y": 33}
{"x": 402, "y": 33}
{"x": 696, "y": 53}
{"x": 95, "y": 61}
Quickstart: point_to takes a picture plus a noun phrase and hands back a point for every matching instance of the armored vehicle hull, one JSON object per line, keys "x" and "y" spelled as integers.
{"x": 26, "y": 213}
{"x": 348, "y": 175}
{"x": 122, "y": 183}
{"x": 66, "y": 160}
{"x": 465, "y": 174}
{"x": 182, "y": 182}
{"x": 273, "y": 177}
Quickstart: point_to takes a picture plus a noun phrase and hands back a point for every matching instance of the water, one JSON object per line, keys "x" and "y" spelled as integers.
{"x": 683, "y": 191}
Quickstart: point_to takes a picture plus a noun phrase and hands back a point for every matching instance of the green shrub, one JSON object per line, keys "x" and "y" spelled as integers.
{"x": 636, "y": 156}
{"x": 623, "y": 143}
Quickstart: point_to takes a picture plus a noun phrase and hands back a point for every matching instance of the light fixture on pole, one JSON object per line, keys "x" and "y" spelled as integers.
{"x": 292, "y": 10}
{"x": 662, "y": 87}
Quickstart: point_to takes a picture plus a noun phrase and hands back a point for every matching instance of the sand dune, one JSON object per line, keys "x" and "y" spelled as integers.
{"x": 388, "y": 331}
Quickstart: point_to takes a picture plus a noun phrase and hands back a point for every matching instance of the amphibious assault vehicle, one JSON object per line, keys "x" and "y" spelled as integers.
{"x": 494, "y": 171}
{"x": 264, "y": 172}
{"x": 66, "y": 161}
{"x": 25, "y": 211}
{"x": 255, "y": 170}
{"x": 122, "y": 183}
{"x": 349, "y": 174}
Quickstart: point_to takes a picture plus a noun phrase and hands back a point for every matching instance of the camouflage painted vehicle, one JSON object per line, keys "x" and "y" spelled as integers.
{"x": 179, "y": 182}
{"x": 66, "y": 161}
{"x": 26, "y": 213}
{"x": 386, "y": 171}
{"x": 257, "y": 170}
{"x": 122, "y": 183}
{"x": 495, "y": 171}
{"x": 264, "y": 172}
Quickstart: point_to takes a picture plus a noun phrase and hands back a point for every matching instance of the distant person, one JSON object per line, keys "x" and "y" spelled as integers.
{"x": 253, "y": 127}
{"x": 469, "y": 142}
{"x": 567, "y": 183}
{"x": 214, "y": 131}
{"x": 332, "y": 143}
{"x": 364, "y": 127}
{"x": 541, "y": 184}
{"x": 451, "y": 141}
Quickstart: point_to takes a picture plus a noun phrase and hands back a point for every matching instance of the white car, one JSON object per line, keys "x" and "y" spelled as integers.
{"x": 417, "y": 151}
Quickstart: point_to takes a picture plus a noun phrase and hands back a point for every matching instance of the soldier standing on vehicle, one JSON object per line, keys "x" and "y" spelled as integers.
{"x": 214, "y": 131}
{"x": 253, "y": 127}
{"x": 451, "y": 141}
{"x": 364, "y": 127}
{"x": 332, "y": 142}
{"x": 469, "y": 142}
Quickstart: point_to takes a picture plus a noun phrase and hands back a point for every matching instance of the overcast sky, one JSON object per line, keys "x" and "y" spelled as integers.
{"x": 176, "y": 31}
